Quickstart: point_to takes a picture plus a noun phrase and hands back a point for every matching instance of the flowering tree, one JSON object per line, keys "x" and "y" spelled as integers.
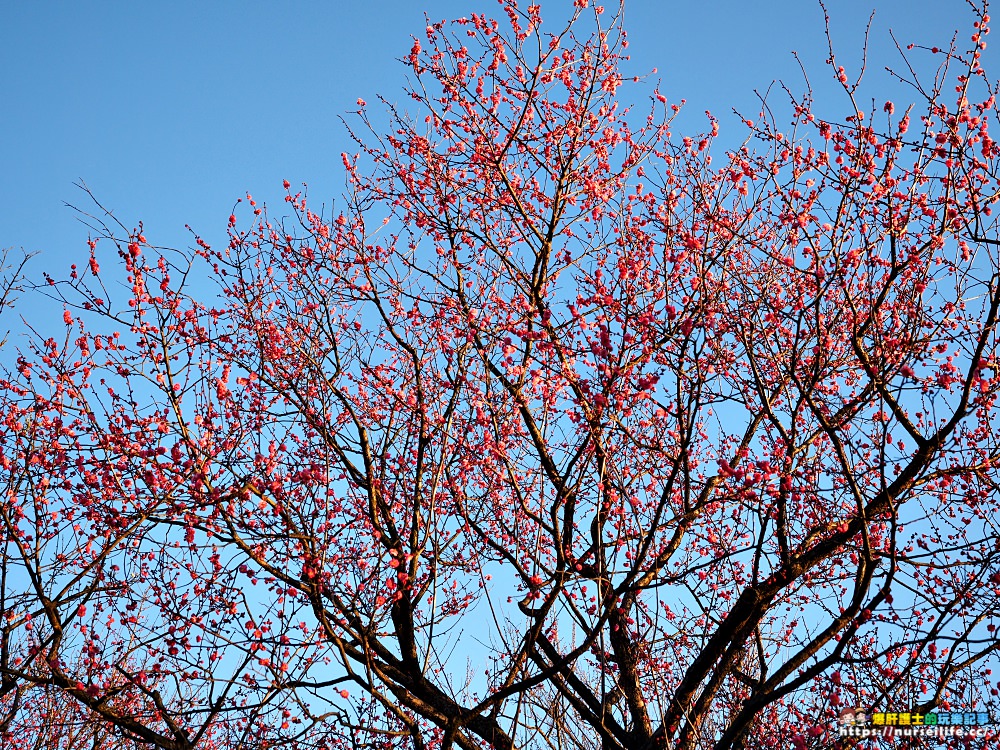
{"x": 557, "y": 432}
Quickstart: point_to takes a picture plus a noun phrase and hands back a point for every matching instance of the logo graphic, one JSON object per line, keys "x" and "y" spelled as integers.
{"x": 857, "y": 722}
{"x": 853, "y": 717}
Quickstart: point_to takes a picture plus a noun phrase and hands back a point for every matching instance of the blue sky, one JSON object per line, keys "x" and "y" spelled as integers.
{"x": 172, "y": 111}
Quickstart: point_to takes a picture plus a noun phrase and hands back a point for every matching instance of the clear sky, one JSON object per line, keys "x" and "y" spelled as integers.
{"x": 171, "y": 111}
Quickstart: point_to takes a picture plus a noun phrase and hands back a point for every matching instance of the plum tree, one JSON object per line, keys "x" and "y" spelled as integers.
{"x": 558, "y": 432}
